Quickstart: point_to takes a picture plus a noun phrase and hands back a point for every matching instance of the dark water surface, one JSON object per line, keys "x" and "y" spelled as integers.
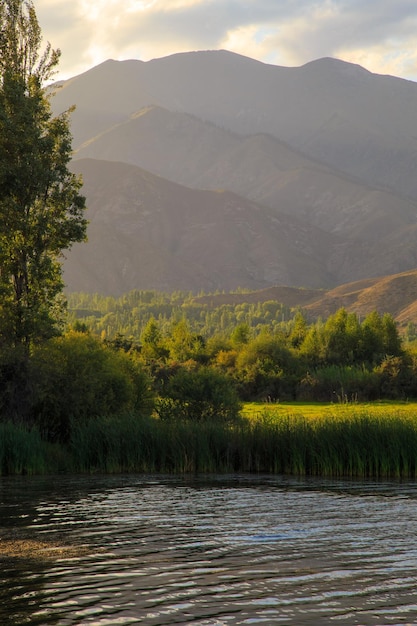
{"x": 218, "y": 551}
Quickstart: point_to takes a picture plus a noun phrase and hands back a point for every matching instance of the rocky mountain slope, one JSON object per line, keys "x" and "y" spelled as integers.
{"x": 186, "y": 150}
{"x": 148, "y": 233}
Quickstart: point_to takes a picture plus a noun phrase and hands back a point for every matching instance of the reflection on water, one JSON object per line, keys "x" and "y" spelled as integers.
{"x": 209, "y": 552}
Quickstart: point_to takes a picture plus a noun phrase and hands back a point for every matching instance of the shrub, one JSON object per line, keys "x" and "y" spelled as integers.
{"x": 201, "y": 395}
{"x": 339, "y": 384}
{"x": 266, "y": 367}
{"x": 77, "y": 377}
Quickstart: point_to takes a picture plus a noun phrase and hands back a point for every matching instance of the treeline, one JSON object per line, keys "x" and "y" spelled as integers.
{"x": 268, "y": 351}
{"x": 127, "y": 315}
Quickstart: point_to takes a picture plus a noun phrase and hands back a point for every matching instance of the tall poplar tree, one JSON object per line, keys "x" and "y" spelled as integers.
{"x": 41, "y": 209}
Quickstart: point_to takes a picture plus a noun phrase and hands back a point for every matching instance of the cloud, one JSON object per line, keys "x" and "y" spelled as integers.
{"x": 379, "y": 34}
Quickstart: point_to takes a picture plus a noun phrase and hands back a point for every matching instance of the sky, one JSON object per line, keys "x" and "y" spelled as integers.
{"x": 380, "y": 35}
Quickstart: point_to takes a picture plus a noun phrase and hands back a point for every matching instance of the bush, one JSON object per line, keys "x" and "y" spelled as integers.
{"x": 396, "y": 377}
{"x": 266, "y": 368}
{"x": 77, "y": 377}
{"x": 201, "y": 395}
{"x": 339, "y": 384}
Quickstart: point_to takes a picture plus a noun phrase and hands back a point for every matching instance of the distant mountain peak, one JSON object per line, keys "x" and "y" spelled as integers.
{"x": 331, "y": 64}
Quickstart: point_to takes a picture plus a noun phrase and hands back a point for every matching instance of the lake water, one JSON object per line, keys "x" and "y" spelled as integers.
{"x": 217, "y": 551}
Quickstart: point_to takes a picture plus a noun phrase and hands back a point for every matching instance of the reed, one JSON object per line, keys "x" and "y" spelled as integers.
{"x": 21, "y": 450}
{"x": 348, "y": 441}
{"x": 117, "y": 444}
{"x": 353, "y": 442}
{"x": 131, "y": 443}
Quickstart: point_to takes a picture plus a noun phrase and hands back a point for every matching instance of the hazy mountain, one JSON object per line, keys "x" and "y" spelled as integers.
{"x": 317, "y": 165}
{"x": 148, "y": 233}
{"x": 184, "y": 149}
{"x": 337, "y": 112}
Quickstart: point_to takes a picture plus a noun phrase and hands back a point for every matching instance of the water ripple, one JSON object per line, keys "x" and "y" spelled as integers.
{"x": 160, "y": 551}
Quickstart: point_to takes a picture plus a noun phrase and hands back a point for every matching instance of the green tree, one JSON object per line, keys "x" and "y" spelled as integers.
{"x": 312, "y": 348}
{"x": 298, "y": 330}
{"x": 381, "y": 337}
{"x": 79, "y": 377}
{"x": 152, "y": 342}
{"x": 265, "y": 367}
{"x": 41, "y": 209}
{"x": 184, "y": 345}
{"x": 392, "y": 339}
{"x": 240, "y": 335}
{"x": 342, "y": 337}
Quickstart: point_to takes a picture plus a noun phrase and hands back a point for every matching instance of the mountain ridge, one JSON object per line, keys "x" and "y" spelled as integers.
{"x": 321, "y": 159}
{"x": 262, "y": 168}
{"x": 294, "y": 104}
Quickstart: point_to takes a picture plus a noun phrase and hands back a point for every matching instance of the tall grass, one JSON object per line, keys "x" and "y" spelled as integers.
{"x": 21, "y": 450}
{"x": 136, "y": 444}
{"x": 350, "y": 443}
{"x": 355, "y": 442}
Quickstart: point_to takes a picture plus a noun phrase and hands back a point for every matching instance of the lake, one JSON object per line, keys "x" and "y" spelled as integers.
{"x": 207, "y": 551}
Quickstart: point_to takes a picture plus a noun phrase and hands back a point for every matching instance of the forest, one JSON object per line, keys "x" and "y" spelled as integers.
{"x": 265, "y": 351}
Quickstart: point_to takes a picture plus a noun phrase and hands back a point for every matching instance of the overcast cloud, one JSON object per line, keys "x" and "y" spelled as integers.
{"x": 380, "y": 35}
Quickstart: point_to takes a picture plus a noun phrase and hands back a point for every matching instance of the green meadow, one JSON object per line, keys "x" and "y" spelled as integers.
{"x": 374, "y": 440}
{"x": 311, "y": 410}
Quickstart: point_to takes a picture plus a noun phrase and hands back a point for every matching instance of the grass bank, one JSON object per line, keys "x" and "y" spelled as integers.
{"x": 378, "y": 441}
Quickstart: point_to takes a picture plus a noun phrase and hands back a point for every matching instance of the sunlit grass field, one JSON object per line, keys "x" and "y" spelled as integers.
{"x": 320, "y": 410}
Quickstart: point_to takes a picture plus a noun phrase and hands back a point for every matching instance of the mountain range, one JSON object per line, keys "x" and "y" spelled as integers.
{"x": 209, "y": 170}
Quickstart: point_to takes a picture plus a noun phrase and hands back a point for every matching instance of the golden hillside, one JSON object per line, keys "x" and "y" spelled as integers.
{"x": 395, "y": 294}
